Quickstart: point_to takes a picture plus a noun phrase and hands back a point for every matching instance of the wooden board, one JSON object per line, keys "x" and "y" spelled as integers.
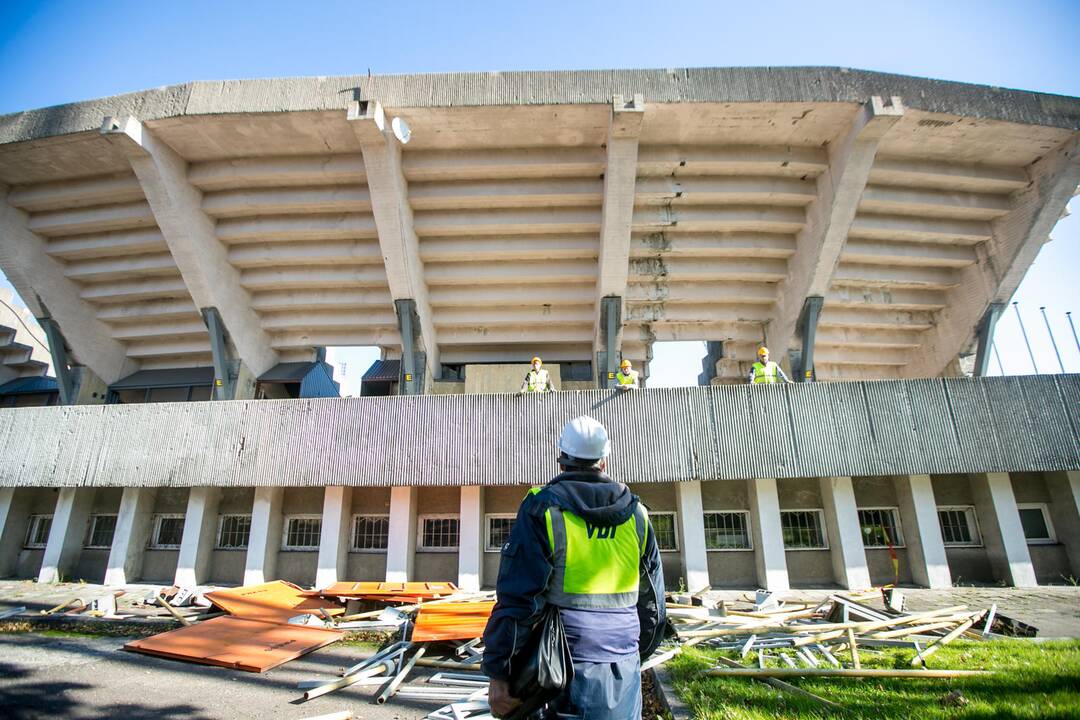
{"x": 232, "y": 642}
{"x": 390, "y": 591}
{"x": 275, "y": 601}
{"x": 451, "y": 621}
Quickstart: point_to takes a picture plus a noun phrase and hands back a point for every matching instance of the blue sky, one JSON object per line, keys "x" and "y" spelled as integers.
{"x": 59, "y": 52}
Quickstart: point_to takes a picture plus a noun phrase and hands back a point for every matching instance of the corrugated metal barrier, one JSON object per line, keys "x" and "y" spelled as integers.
{"x": 705, "y": 433}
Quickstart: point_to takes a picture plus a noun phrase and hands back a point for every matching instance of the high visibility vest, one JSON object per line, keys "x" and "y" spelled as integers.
{"x": 764, "y": 373}
{"x": 626, "y": 379}
{"x": 594, "y": 567}
{"x": 538, "y": 381}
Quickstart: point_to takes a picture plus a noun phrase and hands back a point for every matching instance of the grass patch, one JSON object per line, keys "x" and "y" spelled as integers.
{"x": 1033, "y": 680}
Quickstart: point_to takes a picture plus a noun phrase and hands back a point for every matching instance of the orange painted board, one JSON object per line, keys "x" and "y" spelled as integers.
{"x": 451, "y": 621}
{"x": 401, "y": 591}
{"x": 275, "y": 601}
{"x": 233, "y": 642}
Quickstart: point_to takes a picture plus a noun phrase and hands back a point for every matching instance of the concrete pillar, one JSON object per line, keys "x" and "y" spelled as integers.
{"x": 922, "y": 531}
{"x": 768, "y": 539}
{"x": 845, "y": 536}
{"x": 1003, "y": 535}
{"x": 89, "y": 388}
{"x": 692, "y": 535}
{"x": 471, "y": 538}
{"x": 334, "y": 537}
{"x": 1064, "y": 488}
{"x": 265, "y": 538}
{"x": 200, "y": 530}
{"x": 69, "y": 523}
{"x": 401, "y": 544}
{"x": 133, "y": 526}
{"x": 14, "y": 512}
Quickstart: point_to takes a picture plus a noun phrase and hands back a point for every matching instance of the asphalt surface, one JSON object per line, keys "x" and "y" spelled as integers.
{"x": 84, "y": 677}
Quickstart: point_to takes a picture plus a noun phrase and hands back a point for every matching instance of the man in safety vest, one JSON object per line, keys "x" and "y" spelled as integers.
{"x": 583, "y": 543}
{"x": 537, "y": 379}
{"x": 627, "y": 377}
{"x": 764, "y": 371}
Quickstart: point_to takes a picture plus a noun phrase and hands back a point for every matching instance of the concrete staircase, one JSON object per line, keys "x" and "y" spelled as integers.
{"x": 16, "y": 358}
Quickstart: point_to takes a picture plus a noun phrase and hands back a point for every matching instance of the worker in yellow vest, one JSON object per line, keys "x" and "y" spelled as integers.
{"x": 627, "y": 377}
{"x": 766, "y": 372}
{"x": 537, "y": 380}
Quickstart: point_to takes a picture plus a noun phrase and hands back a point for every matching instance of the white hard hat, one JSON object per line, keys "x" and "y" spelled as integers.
{"x": 584, "y": 438}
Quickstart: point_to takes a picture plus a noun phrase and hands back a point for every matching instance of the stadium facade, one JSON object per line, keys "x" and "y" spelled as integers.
{"x": 208, "y": 241}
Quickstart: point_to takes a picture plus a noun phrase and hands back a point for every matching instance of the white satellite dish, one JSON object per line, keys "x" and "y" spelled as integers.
{"x": 401, "y": 130}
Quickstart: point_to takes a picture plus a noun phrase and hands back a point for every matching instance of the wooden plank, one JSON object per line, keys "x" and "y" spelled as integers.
{"x": 275, "y": 601}
{"x": 841, "y": 672}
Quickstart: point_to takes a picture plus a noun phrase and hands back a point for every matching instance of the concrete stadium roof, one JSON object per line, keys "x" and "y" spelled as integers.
{"x": 712, "y": 202}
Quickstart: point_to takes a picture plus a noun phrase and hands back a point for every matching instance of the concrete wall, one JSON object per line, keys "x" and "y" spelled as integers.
{"x": 967, "y": 564}
{"x": 92, "y": 562}
{"x": 38, "y": 501}
{"x": 227, "y": 566}
{"x": 435, "y": 566}
{"x": 368, "y": 564}
{"x": 1051, "y": 561}
{"x": 661, "y": 498}
{"x": 504, "y": 378}
{"x": 499, "y": 500}
{"x": 160, "y": 565}
{"x": 446, "y": 388}
{"x": 806, "y": 567}
{"x": 728, "y": 568}
{"x": 880, "y": 492}
{"x": 299, "y": 566}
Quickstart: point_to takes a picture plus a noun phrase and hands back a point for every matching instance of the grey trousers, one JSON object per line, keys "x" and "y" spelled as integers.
{"x": 603, "y": 691}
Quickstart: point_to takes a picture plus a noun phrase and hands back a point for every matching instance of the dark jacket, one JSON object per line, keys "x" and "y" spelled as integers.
{"x": 526, "y": 565}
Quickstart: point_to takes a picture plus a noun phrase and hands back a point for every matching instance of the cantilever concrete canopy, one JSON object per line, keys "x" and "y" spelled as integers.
{"x": 812, "y": 430}
{"x": 711, "y": 202}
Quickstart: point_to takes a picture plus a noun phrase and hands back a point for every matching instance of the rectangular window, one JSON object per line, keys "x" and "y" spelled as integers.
{"x": 168, "y": 532}
{"x": 438, "y": 532}
{"x": 663, "y": 524}
{"x": 302, "y": 532}
{"x": 1035, "y": 519}
{"x": 958, "y": 526}
{"x": 498, "y": 531}
{"x": 100, "y": 532}
{"x": 803, "y": 529}
{"x": 727, "y": 531}
{"x": 37, "y": 534}
{"x": 233, "y": 532}
{"x": 370, "y": 532}
{"x": 880, "y": 527}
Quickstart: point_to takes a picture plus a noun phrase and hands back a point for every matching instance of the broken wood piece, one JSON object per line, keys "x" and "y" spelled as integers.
{"x": 854, "y": 649}
{"x": 659, "y": 659}
{"x": 841, "y": 672}
{"x": 342, "y": 715}
{"x": 786, "y": 687}
{"x": 989, "y": 621}
{"x": 357, "y": 677}
{"x": 935, "y": 646}
{"x": 172, "y": 611}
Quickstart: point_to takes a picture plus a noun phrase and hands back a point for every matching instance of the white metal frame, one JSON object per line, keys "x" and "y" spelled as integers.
{"x": 421, "y": 547}
{"x": 90, "y": 527}
{"x": 32, "y": 524}
{"x": 158, "y": 517}
{"x": 746, "y": 524}
{"x": 1045, "y": 509}
{"x": 352, "y": 533}
{"x": 221, "y": 528}
{"x": 973, "y": 526}
{"x": 285, "y": 532}
{"x": 822, "y": 527}
{"x": 488, "y": 517}
{"x": 674, "y": 527}
{"x": 896, "y": 523}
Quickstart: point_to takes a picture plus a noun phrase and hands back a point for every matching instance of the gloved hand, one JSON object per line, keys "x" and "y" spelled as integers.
{"x": 499, "y": 698}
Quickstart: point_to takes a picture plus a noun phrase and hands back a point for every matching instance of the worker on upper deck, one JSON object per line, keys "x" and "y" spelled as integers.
{"x": 584, "y": 544}
{"x": 627, "y": 377}
{"x": 766, "y": 372}
{"x": 537, "y": 379}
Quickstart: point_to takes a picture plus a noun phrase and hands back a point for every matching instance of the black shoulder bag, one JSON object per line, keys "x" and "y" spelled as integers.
{"x": 543, "y": 668}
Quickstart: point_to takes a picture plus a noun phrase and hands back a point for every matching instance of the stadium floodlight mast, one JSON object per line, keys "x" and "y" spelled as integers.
{"x": 1053, "y": 342}
{"x": 1016, "y": 307}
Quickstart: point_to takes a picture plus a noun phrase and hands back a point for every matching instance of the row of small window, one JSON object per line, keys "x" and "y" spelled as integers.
{"x": 729, "y": 530}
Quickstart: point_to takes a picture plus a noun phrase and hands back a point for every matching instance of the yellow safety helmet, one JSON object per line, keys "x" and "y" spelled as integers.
{"x": 762, "y": 351}
{"x": 625, "y": 364}
{"x": 536, "y": 360}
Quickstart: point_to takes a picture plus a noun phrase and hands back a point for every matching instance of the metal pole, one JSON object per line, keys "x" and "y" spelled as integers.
{"x": 998, "y": 357}
{"x": 1075, "y": 339}
{"x": 1024, "y": 333}
{"x": 1053, "y": 342}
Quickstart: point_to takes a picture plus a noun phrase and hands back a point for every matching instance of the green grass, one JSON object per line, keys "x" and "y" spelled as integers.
{"x": 1033, "y": 680}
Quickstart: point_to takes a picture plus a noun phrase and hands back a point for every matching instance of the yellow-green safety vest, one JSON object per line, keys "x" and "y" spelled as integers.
{"x": 626, "y": 379}
{"x": 538, "y": 381}
{"x": 764, "y": 373}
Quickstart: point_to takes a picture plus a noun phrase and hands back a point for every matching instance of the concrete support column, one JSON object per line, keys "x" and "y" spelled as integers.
{"x": 401, "y": 546}
{"x": 768, "y": 539}
{"x": 12, "y": 510}
{"x": 265, "y": 538}
{"x": 69, "y": 522}
{"x": 471, "y": 538}
{"x": 1064, "y": 488}
{"x": 922, "y": 531}
{"x": 197, "y": 544}
{"x": 1003, "y": 535}
{"x": 845, "y": 536}
{"x": 133, "y": 526}
{"x": 334, "y": 540}
{"x": 692, "y": 535}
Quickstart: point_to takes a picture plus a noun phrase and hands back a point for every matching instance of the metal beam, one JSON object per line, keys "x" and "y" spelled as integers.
{"x": 219, "y": 346}
{"x": 830, "y": 215}
{"x": 807, "y": 331}
{"x": 389, "y": 192}
{"x": 190, "y": 234}
{"x": 58, "y": 350}
{"x": 411, "y": 378}
{"x": 985, "y": 333}
{"x": 607, "y": 360}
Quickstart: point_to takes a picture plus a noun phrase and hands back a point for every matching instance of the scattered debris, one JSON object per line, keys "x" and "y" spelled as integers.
{"x": 275, "y": 601}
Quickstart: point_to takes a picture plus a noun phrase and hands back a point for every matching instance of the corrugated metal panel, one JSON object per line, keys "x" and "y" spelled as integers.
{"x": 29, "y": 385}
{"x": 708, "y": 433}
